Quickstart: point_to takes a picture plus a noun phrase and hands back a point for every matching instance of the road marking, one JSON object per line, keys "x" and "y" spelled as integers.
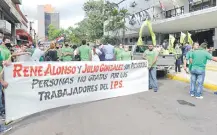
{"x": 209, "y": 86}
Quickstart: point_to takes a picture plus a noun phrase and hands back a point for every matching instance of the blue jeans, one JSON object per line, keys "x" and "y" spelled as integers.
{"x": 197, "y": 80}
{"x": 1, "y": 104}
{"x": 153, "y": 78}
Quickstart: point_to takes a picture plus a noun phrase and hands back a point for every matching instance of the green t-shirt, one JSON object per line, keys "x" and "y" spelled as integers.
{"x": 84, "y": 52}
{"x": 150, "y": 56}
{"x": 5, "y": 52}
{"x": 41, "y": 58}
{"x": 4, "y": 55}
{"x": 125, "y": 55}
{"x": 188, "y": 56}
{"x": 67, "y": 50}
{"x": 199, "y": 59}
{"x": 118, "y": 52}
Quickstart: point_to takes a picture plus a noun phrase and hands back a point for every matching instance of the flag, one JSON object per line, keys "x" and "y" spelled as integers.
{"x": 162, "y": 6}
{"x": 190, "y": 41}
{"x": 182, "y": 38}
{"x": 153, "y": 37}
{"x": 171, "y": 43}
{"x": 140, "y": 42}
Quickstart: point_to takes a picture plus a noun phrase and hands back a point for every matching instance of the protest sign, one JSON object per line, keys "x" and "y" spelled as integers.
{"x": 38, "y": 86}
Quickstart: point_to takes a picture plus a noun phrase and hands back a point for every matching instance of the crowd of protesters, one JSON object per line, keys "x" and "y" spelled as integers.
{"x": 56, "y": 52}
{"x": 194, "y": 58}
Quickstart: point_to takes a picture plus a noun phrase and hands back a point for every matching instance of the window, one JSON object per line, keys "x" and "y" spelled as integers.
{"x": 175, "y": 12}
{"x": 200, "y": 5}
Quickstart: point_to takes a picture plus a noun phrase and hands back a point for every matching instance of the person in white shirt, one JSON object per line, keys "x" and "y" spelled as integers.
{"x": 39, "y": 51}
{"x": 95, "y": 54}
{"x": 22, "y": 55}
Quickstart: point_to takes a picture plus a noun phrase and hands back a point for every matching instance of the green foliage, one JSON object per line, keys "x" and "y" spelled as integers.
{"x": 53, "y": 32}
{"x": 115, "y": 18}
{"x": 92, "y": 26}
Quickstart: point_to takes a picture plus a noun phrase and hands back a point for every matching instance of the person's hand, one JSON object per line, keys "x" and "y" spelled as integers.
{"x": 4, "y": 84}
{"x": 6, "y": 63}
{"x": 185, "y": 68}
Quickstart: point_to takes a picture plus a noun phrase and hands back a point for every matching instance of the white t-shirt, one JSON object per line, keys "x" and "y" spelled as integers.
{"x": 95, "y": 57}
{"x": 22, "y": 58}
{"x": 37, "y": 54}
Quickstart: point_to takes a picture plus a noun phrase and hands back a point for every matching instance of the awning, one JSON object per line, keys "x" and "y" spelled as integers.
{"x": 21, "y": 32}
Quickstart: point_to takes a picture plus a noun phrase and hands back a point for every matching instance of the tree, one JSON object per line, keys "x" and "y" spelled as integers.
{"x": 116, "y": 19}
{"x": 53, "y": 32}
{"x": 94, "y": 19}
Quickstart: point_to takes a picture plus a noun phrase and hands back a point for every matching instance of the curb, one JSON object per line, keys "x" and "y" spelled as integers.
{"x": 209, "y": 86}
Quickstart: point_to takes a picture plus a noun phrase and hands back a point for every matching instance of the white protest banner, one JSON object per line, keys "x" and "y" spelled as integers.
{"x": 38, "y": 86}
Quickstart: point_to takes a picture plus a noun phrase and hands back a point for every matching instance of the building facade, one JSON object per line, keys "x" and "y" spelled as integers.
{"x": 171, "y": 17}
{"x": 9, "y": 18}
{"x": 46, "y": 16}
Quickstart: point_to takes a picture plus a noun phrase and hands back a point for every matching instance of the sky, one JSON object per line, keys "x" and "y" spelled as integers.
{"x": 71, "y": 11}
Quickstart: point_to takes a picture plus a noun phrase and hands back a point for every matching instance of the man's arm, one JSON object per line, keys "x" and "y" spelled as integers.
{"x": 214, "y": 59}
{"x": 155, "y": 60}
{"x": 144, "y": 56}
{"x": 20, "y": 53}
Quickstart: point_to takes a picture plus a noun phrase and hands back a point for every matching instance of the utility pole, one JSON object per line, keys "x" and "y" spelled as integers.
{"x": 30, "y": 27}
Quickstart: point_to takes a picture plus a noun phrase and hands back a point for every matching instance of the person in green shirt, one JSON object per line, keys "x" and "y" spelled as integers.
{"x": 178, "y": 55}
{"x": 4, "y": 56}
{"x": 85, "y": 52}
{"x": 67, "y": 53}
{"x": 118, "y": 52}
{"x": 126, "y": 55}
{"x": 151, "y": 55}
{"x": 199, "y": 60}
{"x": 187, "y": 62}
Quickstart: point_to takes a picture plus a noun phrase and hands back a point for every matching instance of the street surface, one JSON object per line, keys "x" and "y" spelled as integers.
{"x": 146, "y": 113}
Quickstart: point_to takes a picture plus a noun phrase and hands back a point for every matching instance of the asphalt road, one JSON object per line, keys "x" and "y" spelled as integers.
{"x": 146, "y": 113}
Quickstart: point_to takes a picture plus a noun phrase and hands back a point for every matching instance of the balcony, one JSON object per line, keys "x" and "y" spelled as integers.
{"x": 5, "y": 26}
{"x": 201, "y": 5}
{"x": 17, "y": 1}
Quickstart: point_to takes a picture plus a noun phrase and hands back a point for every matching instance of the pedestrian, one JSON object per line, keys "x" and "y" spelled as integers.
{"x": 199, "y": 60}
{"x": 76, "y": 56}
{"x": 67, "y": 53}
{"x": 59, "y": 52}
{"x": 39, "y": 53}
{"x": 178, "y": 57}
{"x": 22, "y": 54}
{"x": 151, "y": 55}
{"x": 102, "y": 56}
{"x": 126, "y": 55}
{"x": 109, "y": 52}
{"x": 118, "y": 52}
{"x": 3, "y": 85}
{"x": 187, "y": 63}
{"x": 95, "y": 54}
{"x": 85, "y": 52}
{"x": 51, "y": 54}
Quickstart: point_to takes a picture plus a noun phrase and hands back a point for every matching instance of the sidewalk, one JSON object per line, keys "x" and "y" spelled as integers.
{"x": 209, "y": 83}
{"x": 211, "y": 66}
